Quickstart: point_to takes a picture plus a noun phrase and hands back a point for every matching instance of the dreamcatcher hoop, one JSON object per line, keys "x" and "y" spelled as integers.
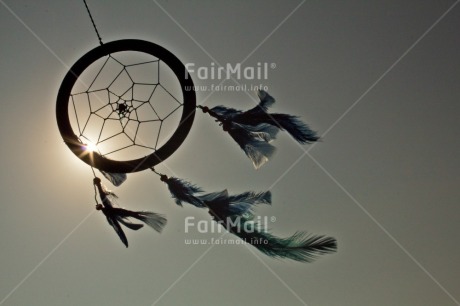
{"x": 160, "y": 154}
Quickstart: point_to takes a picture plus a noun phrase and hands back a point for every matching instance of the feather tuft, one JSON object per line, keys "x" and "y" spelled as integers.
{"x": 116, "y": 215}
{"x": 299, "y": 247}
{"x": 299, "y": 130}
{"x": 130, "y": 225}
{"x": 183, "y": 191}
{"x": 154, "y": 220}
{"x": 258, "y": 150}
{"x": 255, "y": 128}
{"x": 115, "y": 178}
{"x": 234, "y": 213}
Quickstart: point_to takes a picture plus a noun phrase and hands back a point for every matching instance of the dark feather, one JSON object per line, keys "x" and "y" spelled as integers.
{"x": 258, "y": 115}
{"x": 251, "y": 197}
{"x": 154, "y": 220}
{"x": 252, "y": 139}
{"x": 264, "y": 131}
{"x": 225, "y": 112}
{"x": 299, "y": 130}
{"x": 265, "y": 101}
{"x": 222, "y": 206}
{"x": 258, "y": 150}
{"x": 214, "y": 197}
{"x": 242, "y": 203}
{"x": 116, "y": 215}
{"x": 130, "y": 225}
{"x": 116, "y": 226}
{"x": 183, "y": 191}
{"x": 300, "y": 246}
{"x": 115, "y": 178}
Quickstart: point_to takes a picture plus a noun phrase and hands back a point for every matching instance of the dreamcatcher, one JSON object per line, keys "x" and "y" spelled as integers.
{"x": 115, "y": 109}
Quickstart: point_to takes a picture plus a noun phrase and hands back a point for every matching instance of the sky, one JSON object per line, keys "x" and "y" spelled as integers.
{"x": 379, "y": 82}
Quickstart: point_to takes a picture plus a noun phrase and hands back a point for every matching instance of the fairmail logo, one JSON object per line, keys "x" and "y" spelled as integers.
{"x": 229, "y": 71}
{"x": 238, "y": 225}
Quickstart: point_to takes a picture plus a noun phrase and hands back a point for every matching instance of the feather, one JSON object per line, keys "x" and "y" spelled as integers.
{"x": 265, "y": 132}
{"x": 244, "y": 202}
{"x": 253, "y": 140}
{"x": 236, "y": 205}
{"x": 183, "y": 191}
{"x": 116, "y": 215}
{"x": 265, "y": 100}
{"x": 116, "y": 226}
{"x": 130, "y": 225}
{"x": 255, "y": 128}
{"x": 115, "y": 178}
{"x": 154, "y": 220}
{"x": 234, "y": 214}
{"x": 264, "y": 197}
{"x": 300, "y": 246}
{"x": 224, "y": 111}
{"x": 258, "y": 150}
{"x": 299, "y": 130}
{"x": 214, "y": 196}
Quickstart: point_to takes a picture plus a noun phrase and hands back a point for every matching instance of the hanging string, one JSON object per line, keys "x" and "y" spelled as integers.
{"x": 95, "y": 194}
{"x": 95, "y": 190}
{"x": 94, "y": 173}
{"x": 92, "y": 21}
{"x": 153, "y": 169}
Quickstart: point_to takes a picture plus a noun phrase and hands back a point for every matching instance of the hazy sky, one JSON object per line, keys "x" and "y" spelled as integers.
{"x": 377, "y": 79}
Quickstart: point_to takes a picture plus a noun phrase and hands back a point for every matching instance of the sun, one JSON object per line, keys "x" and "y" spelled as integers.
{"x": 90, "y": 147}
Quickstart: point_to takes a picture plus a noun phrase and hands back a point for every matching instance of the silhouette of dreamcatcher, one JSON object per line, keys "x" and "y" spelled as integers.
{"x": 127, "y": 105}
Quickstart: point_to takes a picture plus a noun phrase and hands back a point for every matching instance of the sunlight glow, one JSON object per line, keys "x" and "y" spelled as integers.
{"x": 90, "y": 147}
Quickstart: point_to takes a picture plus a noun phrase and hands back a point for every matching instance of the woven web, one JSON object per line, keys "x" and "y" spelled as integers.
{"x": 127, "y": 104}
